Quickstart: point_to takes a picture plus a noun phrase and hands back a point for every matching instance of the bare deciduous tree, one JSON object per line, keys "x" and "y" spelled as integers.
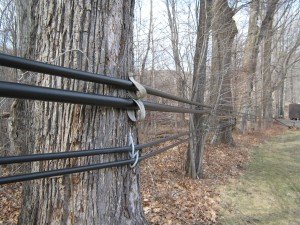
{"x": 102, "y": 33}
{"x": 195, "y": 153}
{"x": 255, "y": 36}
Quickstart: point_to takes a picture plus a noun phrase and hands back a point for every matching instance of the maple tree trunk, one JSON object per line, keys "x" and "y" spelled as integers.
{"x": 249, "y": 63}
{"x": 94, "y": 36}
{"x": 267, "y": 75}
{"x": 223, "y": 33}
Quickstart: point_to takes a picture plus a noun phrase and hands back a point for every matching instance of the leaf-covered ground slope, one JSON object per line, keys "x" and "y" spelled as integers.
{"x": 170, "y": 197}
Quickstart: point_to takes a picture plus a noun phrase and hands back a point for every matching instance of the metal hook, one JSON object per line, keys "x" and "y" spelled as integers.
{"x": 133, "y": 154}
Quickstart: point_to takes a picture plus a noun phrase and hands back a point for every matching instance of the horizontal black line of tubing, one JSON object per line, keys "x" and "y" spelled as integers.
{"x": 65, "y": 171}
{"x": 24, "y": 91}
{"x": 60, "y": 172}
{"x": 40, "y": 67}
{"x": 83, "y": 153}
{"x": 60, "y": 155}
{"x": 162, "y": 94}
{"x": 168, "y": 108}
{"x": 153, "y": 153}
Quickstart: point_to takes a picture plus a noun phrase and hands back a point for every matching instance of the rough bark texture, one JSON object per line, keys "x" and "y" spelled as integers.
{"x": 267, "y": 76}
{"x": 254, "y": 39}
{"x": 266, "y": 35}
{"x": 20, "y": 119}
{"x": 250, "y": 62}
{"x": 194, "y": 163}
{"x": 223, "y": 33}
{"x": 94, "y": 36}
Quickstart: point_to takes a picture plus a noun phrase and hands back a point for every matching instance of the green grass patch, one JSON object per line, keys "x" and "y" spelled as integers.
{"x": 269, "y": 191}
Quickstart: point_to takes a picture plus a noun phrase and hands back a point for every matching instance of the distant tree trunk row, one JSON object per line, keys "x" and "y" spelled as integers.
{"x": 258, "y": 93}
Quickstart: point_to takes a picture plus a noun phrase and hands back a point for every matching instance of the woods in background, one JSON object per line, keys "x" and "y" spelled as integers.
{"x": 241, "y": 58}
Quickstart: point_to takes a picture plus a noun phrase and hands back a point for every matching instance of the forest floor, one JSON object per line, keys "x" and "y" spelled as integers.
{"x": 169, "y": 197}
{"x": 269, "y": 191}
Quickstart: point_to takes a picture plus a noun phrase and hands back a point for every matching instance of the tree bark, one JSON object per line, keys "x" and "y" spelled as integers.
{"x": 249, "y": 63}
{"x": 194, "y": 163}
{"x": 224, "y": 31}
{"x": 255, "y": 36}
{"x": 267, "y": 75}
{"x": 96, "y": 37}
{"x": 281, "y": 101}
{"x": 20, "y": 119}
{"x": 292, "y": 90}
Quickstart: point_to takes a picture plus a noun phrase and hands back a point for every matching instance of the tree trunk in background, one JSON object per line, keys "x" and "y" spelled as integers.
{"x": 279, "y": 101}
{"x": 194, "y": 163}
{"x": 249, "y": 63}
{"x": 96, "y": 37}
{"x": 24, "y": 42}
{"x": 148, "y": 78}
{"x": 283, "y": 71}
{"x": 20, "y": 120}
{"x": 224, "y": 31}
{"x": 267, "y": 76}
{"x": 251, "y": 52}
{"x": 150, "y": 33}
{"x": 292, "y": 93}
{"x": 180, "y": 76}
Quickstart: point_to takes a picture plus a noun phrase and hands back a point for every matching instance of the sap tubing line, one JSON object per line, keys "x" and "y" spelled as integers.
{"x": 84, "y": 153}
{"x": 24, "y": 91}
{"x": 40, "y": 67}
{"x": 78, "y": 169}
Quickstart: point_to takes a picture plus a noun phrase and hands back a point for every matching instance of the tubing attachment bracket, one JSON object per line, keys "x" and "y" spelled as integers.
{"x": 133, "y": 154}
{"x": 137, "y": 115}
{"x": 141, "y": 90}
{"x": 140, "y": 114}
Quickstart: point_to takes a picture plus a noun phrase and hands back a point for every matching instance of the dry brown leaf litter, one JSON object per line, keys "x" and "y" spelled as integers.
{"x": 10, "y": 201}
{"x": 171, "y": 198}
{"x": 168, "y": 196}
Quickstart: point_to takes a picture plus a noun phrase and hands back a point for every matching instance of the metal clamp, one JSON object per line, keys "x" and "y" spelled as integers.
{"x": 141, "y": 90}
{"x": 137, "y": 115}
{"x": 133, "y": 154}
{"x": 140, "y": 114}
{"x": 206, "y": 127}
